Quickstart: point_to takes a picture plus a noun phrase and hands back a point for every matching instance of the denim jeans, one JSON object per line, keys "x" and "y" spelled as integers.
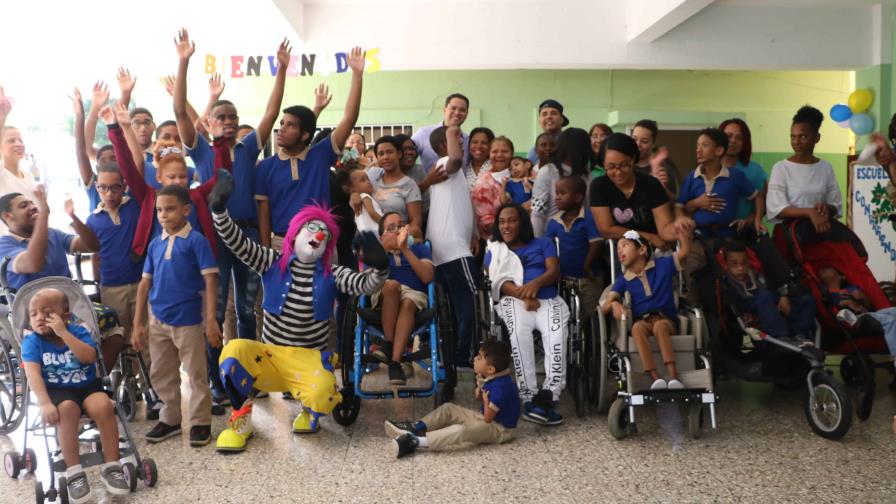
{"x": 887, "y": 319}
{"x": 460, "y": 279}
{"x": 801, "y": 320}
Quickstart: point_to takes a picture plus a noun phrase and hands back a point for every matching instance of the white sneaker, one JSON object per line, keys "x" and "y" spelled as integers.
{"x": 659, "y": 384}
{"x": 675, "y": 384}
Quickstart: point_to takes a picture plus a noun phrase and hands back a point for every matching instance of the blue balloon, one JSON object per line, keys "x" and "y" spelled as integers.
{"x": 861, "y": 124}
{"x": 840, "y": 112}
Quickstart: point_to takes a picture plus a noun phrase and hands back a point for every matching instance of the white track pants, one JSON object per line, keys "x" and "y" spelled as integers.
{"x": 552, "y": 321}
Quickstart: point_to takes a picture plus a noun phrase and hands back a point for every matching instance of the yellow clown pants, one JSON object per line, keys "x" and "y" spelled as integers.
{"x": 305, "y": 373}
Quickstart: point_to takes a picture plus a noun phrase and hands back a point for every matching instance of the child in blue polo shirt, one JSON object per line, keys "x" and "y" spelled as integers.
{"x": 180, "y": 277}
{"x": 650, "y": 282}
{"x": 451, "y": 425}
{"x": 579, "y": 240}
{"x": 403, "y": 294}
{"x": 518, "y": 188}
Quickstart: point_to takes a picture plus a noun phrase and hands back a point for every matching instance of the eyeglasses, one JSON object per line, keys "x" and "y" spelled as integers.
{"x": 314, "y": 227}
{"x": 620, "y": 166}
{"x": 115, "y": 188}
{"x": 394, "y": 228}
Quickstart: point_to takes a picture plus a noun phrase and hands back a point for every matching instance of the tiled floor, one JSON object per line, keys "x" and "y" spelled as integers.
{"x": 763, "y": 451}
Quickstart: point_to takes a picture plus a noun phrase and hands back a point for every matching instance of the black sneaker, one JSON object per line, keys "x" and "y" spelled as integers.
{"x": 200, "y": 435}
{"x": 287, "y": 396}
{"x": 220, "y": 398}
{"x": 404, "y": 445}
{"x": 383, "y": 353}
{"x": 396, "y": 374}
{"x": 394, "y": 428}
{"x": 161, "y": 432}
{"x": 217, "y": 409}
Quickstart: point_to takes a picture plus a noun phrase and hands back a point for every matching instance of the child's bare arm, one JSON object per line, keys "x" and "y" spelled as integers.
{"x": 138, "y": 334}
{"x": 368, "y": 207}
{"x": 684, "y": 246}
{"x": 36, "y": 383}
{"x": 488, "y": 413}
{"x": 83, "y": 352}
{"x": 423, "y": 269}
{"x": 212, "y": 331}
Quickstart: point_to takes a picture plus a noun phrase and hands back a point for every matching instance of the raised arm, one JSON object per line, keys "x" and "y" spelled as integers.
{"x": 185, "y": 49}
{"x": 455, "y": 149}
{"x": 371, "y": 279}
{"x": 353, "y": 103}
{"x": 86, "y": 240}
{"x": 253, "y": 255}
{"x": 194, "y": 116}
{"x": 133, "y": 178}
{"x": 34, "y": 257}
{"x": 98, "y": 100}
{"x": 84, "y": 168}
{"x": 126, "y": 84}
{"x": 273, "y": 107}
{"x": 322, "y": 98}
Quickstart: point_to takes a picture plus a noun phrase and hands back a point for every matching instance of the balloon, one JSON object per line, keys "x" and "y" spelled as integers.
{"x": 861, "y": 124}
{"x": 840, "y": 112}
{"x": 860, "y": 100}
{"x": 843, "y": 124}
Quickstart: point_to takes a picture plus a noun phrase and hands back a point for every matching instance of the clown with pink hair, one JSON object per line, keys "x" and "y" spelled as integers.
{"x": 300, "y": 286}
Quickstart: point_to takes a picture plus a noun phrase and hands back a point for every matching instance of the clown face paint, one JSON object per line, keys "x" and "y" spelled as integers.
{"x": 311, "y": 241}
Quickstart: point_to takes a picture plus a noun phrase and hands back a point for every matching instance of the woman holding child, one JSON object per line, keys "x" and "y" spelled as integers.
{"x": 395, "y": 191}
{"x": 488, "y": 189}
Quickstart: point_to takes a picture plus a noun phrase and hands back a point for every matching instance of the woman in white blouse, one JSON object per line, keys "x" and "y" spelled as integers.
{"x": 12, "y": 151}
{"x": 803, "y": 186}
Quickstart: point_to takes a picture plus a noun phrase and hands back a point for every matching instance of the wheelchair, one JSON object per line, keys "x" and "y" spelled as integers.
{"x": 431, "y": 326}
{"x": 135, "y": 467}
{"x": 632, "y": 384}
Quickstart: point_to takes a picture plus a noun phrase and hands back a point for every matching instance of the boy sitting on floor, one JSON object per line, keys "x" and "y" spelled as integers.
{"x": 60, "y": 364}
{"x": 403, "y": 294}
{"x": 452, "y": 425}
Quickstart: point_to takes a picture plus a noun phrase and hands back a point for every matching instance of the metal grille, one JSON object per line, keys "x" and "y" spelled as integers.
{"x": 372, "y": 132}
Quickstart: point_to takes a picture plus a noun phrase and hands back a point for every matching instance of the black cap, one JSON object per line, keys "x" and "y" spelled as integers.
{"x": 554, "y": 104}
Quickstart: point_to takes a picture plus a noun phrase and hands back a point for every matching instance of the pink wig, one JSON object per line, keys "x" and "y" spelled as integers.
{"x": 314, "y": 211}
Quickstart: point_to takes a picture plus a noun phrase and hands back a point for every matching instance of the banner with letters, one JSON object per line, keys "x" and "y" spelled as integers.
{"x": 870, "y": 210}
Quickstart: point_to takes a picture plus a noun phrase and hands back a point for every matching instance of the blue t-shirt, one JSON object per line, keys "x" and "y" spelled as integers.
{"x": 117, "y": 264}
{"x": 177, "y": 282}
{"x": 403, "y": 273}
{"x": 503, "y": 393}
{"x": 244, "y": 153}
{"x": 58, "y": 365}
{"x": 517, "y": 191}
{"x": 149, "y": 173}
{"x": 58, "y": 245}
{"x": 532, "y": 256}
{"x": 657, "y": 295}
{"x": 756, "y": 175}
{"x": 574, "y": 242}
{"x": 289, "y": 184}
{"x": 729, "y": 185}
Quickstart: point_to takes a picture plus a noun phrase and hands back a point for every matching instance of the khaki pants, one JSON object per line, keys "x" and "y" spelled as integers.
{"x": 123, "y": 299}
{"x": 171, "y": 346}
{"x": 452, "y": 425}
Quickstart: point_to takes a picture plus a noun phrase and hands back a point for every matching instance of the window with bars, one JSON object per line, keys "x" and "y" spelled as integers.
{"x": 372, "y": 132}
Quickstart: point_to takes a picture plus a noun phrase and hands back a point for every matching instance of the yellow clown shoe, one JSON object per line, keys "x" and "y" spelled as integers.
{"x": 306, "y": 423}
{"x": 239, "y": 430}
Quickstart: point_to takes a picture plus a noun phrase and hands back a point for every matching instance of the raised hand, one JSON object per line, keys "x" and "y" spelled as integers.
{"x": 5, "y": 106}
{"x": 107, "y": 115}
{"x": 215, "y": 85}
{"x": 56, "y": 323}
{"x": 283, "y": 53}
{"x": 372, "y": 252}
{"x": 125, "y": 81}
{"x": 185, "y": 48}
{"x": 40, "y": 199}
{"x": 77, "y": 104}
{"x": 213, "y": 126}
{"x": 322, "y": 96}
{"x": 122, "y": 115}
{"x": 217, "y": 199}
{"x": 69, "y": 207}
{"x": 356, "y": 59}
{"x": 100, "y": 95}
{"x": 168, "y": 82}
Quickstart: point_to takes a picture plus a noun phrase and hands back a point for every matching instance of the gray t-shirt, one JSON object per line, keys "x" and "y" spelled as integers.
{"x": 396, "y": 196}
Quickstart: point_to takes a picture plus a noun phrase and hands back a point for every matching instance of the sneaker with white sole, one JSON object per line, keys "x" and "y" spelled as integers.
{"x": 534, "y": 414}
{"x": 113, "y": 478}
{"x": 674, "y": 384}
{"x": 847, "y": 316}
{"x": 78, "y": 487}
{"x": 659, "y": 384}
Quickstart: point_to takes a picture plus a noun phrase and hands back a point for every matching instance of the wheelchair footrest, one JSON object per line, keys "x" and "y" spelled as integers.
{"x": 686, "y": 396}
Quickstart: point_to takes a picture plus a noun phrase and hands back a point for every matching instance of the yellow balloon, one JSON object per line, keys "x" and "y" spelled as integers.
{"x": 860, "y": 100}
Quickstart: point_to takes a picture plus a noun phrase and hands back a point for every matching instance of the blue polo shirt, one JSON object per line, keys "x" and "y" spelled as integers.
{"x": 176, "y": 264}
{"x": 115, "y": 233}
{"x": 574, "y": 241}
{"x": 652, "y": 290}
{"x": 58, "y": 365}
{"x": 401, "y": 271}
{"x": 149, "y": 173}
{"x": 58, "y": 245}
{"x": 729, "y": 185}
{"x": 756, "y": 175}
{"x": 244, "y": 154}
{"x": 290, "y": 183}
{"x": 532, "y": 256}
{"x": 505, "y": 396}
{"x": 517, "y": 191}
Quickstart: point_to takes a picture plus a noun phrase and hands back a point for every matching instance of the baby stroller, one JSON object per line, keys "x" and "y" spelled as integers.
{"x": 130, "y": 372}
{"x": 134, "y": 466}
{"x": 842, "y": 250}
{"x": 741, "y": 350}
{"x": 621, "y": 364}
{"x": 365, "y": 324}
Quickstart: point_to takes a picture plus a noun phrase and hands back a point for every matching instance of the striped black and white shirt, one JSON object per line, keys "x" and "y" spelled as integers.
{"x": 295, "y": 326}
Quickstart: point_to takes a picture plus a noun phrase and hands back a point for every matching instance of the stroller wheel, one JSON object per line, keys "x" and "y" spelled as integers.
{"x": 130, "y": 475}
{"x": 695, "y": 420}
{"x": 61, "y": 491}
{"x": 125, "y": 399}
{"x": 346, "y": 412}
{"x": 29, "y": 461}
{"x": 149, "y": 473}
{"x": 617, "y": 419}
{"x": 828, "y": 407}
{"x": 12, "y": 462}
{"x": 39, "y": 495}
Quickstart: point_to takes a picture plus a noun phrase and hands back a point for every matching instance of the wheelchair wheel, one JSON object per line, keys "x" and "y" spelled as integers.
{"x": 13, "y": 389}
{"x": 579, "y": 388}
{"x": 61, "y": 491}
{"x": 347, "y": 345}
{"x": 346, "y": 412}
{"x": 695, "y": 420}
{"x": 12, "y": 463}
{"x": 617, "y": 419}
{"x": 126, "y": 398}
{"x": 599, "y": 374}
{"x": 828, "y": 407}
{"x": 39, "y": 494}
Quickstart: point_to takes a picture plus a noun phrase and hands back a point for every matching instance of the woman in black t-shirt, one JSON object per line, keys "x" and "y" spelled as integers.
{"x": 624, "y": 199}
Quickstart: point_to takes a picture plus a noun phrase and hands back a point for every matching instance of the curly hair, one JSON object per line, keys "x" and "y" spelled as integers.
{"x": 314, "y": 211}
